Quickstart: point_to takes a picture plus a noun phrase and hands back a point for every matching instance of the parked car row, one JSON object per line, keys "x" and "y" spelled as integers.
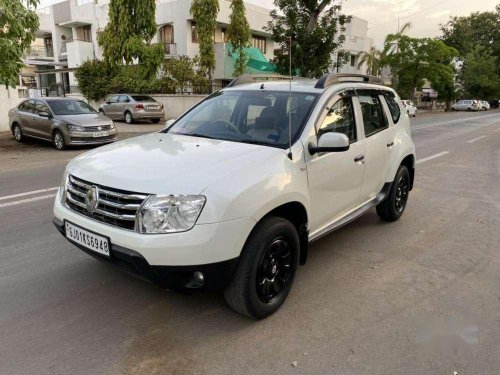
{"x": 70, "y": 122}
{"x": 471, "y": 105}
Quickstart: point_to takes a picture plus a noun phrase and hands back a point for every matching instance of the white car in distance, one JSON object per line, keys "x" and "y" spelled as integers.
{"x": 410, "y": 108}
{"x": 224, "y": 199}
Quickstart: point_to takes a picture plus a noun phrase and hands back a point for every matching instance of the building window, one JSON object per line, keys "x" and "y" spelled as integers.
{"x": 194, "y": 33}
{"x": 83, "y": 2}
{"x": 259, "y": 42}
{"x": 353, "y": 60}
{"x": 167, "y": 34}
{"x": 84, "y": 33}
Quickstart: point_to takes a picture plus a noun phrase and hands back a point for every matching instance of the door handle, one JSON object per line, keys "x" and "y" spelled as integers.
{"x": 359, "y": 158}
{"x": 390, "y": 143}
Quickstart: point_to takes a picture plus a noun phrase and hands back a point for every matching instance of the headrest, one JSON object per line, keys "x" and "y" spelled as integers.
{"x": 265, "y": 123}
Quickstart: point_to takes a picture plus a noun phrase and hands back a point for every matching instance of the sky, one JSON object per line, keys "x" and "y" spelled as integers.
{"x": 382, "y": 15}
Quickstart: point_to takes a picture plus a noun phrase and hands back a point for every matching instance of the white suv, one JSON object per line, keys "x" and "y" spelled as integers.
{"x": 231, "y": 194}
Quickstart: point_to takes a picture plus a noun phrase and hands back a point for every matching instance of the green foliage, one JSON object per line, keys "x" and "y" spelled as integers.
{"x": 313, "y": 27}
{"x": 128, "y": 34}
{"x": 479, "y": 28}
{"x": 204, "y": 13}
{"x": 18, "y": 24}
{"x": 373, "y": 60}
{"x": 417, "y": 59}
{"x": 479, "y": 74}
{"x": 391, "y": 47}
{"x": 238, "y": 34}
{"x": 96, "y": 79}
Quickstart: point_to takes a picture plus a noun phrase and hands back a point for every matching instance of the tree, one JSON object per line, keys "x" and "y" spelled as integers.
{"x": 391, "y": 48}
{"x": 127, "y": 36}
{"x": 314, "y": 27}
{"x": 204, "y": 13}
{"x": 479, "y": 77}
{"x": 373, "y": 61}
{"x": 238, "y": 34}
{"x": 94, "y": 78}
{"x": 479, "y": 28}
{"x": 18, "y": 25}
{"x": 418, "y": 59}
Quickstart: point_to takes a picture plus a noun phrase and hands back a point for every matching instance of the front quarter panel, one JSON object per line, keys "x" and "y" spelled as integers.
{"x": 403, "y": 146}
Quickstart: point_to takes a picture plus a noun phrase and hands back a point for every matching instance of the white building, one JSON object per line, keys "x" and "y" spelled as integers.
{"x": 68, "y": 36}
{"x": 356, "y": 42}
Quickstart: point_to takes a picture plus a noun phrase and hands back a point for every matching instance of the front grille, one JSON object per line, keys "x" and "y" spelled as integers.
{"x": 114, "y": 207}
{"x": 92, "y": 139}
{"x": 96, "y": 128}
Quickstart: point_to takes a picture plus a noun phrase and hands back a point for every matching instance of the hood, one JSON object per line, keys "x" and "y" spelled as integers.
{"x": 91, "y": 119}
{"x": 162, "y": 163}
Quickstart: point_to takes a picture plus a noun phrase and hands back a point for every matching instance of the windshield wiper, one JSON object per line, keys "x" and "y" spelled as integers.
{"x": 255, "y": 142}
{"x": 195, "y": 135}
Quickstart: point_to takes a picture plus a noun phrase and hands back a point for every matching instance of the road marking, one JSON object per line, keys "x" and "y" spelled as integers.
{"x": 432, "y": 157}
{"x": 28, "y": 193}
{"x": 433, "y": 124}
{"x": 475, "y": 139}
{"x": 15, "y": 203}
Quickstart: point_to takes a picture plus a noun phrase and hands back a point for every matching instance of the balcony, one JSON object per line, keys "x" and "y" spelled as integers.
{"x": 40, "y": 52}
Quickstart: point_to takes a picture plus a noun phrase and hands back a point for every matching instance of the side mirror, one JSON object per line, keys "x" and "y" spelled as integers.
{"x": 169, "y": 123}
{"x": 330, "y": 142}
{"x": 108, "y": 102}
{"x": 44, "y": 114}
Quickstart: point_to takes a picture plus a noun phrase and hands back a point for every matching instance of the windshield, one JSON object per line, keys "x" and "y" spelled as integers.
{"x": 70, "y": 107}
{"x": 143, "y": 98}
{"x": 259, "y": 117}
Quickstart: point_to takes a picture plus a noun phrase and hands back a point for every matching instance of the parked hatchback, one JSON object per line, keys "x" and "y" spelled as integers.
{"x": 484, "y": 105}
{"x": 466, "y": 105}
{"x": 411, "y": 109}
{"x": 132, "y": 108}
{"x": 63, "y": 121}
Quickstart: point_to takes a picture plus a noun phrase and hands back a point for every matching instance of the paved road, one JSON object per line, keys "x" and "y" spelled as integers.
{"x": 419, "y": 296}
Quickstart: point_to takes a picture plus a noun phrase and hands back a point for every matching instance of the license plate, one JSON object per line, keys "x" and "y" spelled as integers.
{"x": 153, "y": 107}
{"x": 100, "y": 134}
{"x": 89, "y": 240}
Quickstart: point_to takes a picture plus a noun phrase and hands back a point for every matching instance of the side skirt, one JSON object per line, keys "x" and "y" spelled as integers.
{"x": 352, "y": 215}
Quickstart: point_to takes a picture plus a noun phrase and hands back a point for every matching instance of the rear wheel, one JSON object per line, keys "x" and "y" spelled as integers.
{"x": 128, "y": 118}
{"x": 452, "y": 109}
{"x": 266, "y": 269}
{"x": 155, "y": 121}
{"x": 58, "y": 140}
{"x": 394, "y": 205}
{"x": 17, "y": 133}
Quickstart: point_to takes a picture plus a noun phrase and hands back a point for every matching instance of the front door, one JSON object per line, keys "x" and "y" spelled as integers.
{"x": 379, "y": 142}
{"x": 335, "y": 178}
{"x": 42, "y": 126}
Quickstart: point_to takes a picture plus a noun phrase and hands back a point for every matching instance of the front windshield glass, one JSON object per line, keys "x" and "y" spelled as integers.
{"x": 70, "y": 107}
{"x": 259, "y": 117}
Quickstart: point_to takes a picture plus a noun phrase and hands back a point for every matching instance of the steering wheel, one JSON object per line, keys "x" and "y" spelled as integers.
{"x": 228, "y": 125}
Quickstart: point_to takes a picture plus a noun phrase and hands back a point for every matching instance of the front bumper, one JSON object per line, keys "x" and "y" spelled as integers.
{"x": 209, "y": 248}
{"x": 87, "y": 138}
{"x": 178, "y": 278}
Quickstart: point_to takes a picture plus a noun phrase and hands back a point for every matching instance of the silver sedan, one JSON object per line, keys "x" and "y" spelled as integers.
{"x": 63, "y": 121}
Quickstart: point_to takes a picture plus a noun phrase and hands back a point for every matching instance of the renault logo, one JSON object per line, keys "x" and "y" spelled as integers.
{"x": 92, "y": 198}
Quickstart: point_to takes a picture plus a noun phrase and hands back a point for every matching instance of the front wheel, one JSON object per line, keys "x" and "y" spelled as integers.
{"x": 266, "y": 269}
{"x": 394, "y": 205}
{"x": 58, "y": 140}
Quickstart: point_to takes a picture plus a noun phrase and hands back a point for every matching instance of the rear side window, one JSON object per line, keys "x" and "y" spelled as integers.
{"x": 373, "y": 116}
{"x": 393, "y": 105}
{"x": 25, "y": 106}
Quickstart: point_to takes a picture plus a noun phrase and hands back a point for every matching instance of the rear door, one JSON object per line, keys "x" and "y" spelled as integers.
{"x": 26, "y": 116}
{"x": 111, "y": 107}
{"x": 379, "y": 142}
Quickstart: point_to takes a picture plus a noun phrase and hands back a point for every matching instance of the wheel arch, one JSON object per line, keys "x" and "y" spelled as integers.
{"x": 409, "y": 162}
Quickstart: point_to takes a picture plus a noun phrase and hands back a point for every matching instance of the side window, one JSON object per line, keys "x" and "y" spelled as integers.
{"x": 123, "y": 99}
{"x": 373, "y": 116}
{"x": 393, "y": 105}
{"x": 340, "y": 119}
{"x": 113, "y": 99}
{"x": 24, "y": 106}
{"x": 41, "y": 107}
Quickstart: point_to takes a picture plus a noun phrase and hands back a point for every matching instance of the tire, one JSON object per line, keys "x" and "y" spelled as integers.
{"x": 101, "y": 111}
{"x": 272, "y": 250}
{"x": 155, "y": 120}
{"x": 17, "y": 133}
{"x": 58, "y": 140}
{"x": 394, "y": 205}
{"x": 453, "y": 109}
{"x": 469, "y": 110}
{"x": 128, "y": 118}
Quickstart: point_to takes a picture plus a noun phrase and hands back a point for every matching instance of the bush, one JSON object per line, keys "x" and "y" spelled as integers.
{"x": 96, "y": 79}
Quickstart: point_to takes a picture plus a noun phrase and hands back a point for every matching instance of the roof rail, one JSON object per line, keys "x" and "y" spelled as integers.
{"x": 330, "y": 79}
{"x": 253, "y": 78}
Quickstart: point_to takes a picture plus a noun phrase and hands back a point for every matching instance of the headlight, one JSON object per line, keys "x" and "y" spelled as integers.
{"x": 170, "y": 213}
{"x": 64, "y": 185}
{"x": 112, "y": 126}
{"x": 75, "y": 128}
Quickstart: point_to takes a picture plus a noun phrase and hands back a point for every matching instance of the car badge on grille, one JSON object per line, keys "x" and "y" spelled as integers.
{"x": 92, "y": 198}
{"x": 99, "y": 128}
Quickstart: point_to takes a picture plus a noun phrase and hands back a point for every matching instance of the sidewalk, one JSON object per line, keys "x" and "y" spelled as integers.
{"x": 141, "y": 127}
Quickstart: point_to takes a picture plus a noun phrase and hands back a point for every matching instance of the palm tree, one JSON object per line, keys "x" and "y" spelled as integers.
{"x": 372, "y": 59}
{"x": 391, "y": 47}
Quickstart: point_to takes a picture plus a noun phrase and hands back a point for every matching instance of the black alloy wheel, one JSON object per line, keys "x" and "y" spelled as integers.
{"x": 402, "y": 190}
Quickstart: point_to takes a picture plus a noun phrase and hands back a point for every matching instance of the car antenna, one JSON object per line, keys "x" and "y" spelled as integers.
{"x": 290, "y": 156}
